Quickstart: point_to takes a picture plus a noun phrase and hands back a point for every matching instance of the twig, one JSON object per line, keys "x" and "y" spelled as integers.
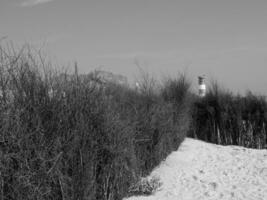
{"x": 61, "y": 188}
{"x": 55, "y": 163}
{"x": 1, "y": 187}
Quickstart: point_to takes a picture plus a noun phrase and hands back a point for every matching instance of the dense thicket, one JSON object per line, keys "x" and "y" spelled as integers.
{"x": 223, "y": 118}
{"x": 75, "y": 137}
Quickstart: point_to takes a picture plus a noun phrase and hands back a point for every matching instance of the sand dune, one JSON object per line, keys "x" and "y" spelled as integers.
{"x": 200, "y": 170}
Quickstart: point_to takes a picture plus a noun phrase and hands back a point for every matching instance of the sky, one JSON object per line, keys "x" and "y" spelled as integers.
{"x": 224, "y": 39}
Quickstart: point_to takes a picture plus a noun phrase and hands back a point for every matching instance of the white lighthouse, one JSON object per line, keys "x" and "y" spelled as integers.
{"x": 201, "y": 86}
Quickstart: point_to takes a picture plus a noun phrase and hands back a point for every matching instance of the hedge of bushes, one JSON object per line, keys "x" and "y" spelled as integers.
{"x": 67, "y": 137}
{"x": 223, "y": 118}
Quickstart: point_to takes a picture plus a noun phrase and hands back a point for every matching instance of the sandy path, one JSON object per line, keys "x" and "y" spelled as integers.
{"x": 200, "y": 170}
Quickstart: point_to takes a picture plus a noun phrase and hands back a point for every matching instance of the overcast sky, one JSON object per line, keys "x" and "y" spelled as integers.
{"x": 224, "y": 39}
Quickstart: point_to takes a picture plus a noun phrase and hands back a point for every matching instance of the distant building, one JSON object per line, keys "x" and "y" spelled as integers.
{"x": 108, "y": 77}
{"x": 201, "y": 86}
{"x": 97, "y": 76}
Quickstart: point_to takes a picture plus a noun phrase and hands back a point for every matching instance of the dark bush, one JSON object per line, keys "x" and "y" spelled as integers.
{"x": 223, "y": 118}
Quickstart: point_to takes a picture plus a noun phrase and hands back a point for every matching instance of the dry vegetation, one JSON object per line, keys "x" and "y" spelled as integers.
{"x": 73, "y": 137}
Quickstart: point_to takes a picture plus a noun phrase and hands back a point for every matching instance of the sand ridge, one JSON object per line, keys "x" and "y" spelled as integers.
{"x": 199, "y": 170}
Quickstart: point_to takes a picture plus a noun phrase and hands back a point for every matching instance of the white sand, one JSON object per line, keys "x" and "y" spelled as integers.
{"x": 200, "y": 170}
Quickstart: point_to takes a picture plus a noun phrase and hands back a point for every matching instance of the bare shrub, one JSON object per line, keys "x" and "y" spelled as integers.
{"x": 69, "y": 136}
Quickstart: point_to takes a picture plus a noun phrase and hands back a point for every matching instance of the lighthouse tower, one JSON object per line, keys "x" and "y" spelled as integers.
{"x": 201, "y": 86}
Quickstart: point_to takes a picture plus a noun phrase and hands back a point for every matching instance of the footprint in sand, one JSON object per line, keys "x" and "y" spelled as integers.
{"x": 213, "y": 185}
